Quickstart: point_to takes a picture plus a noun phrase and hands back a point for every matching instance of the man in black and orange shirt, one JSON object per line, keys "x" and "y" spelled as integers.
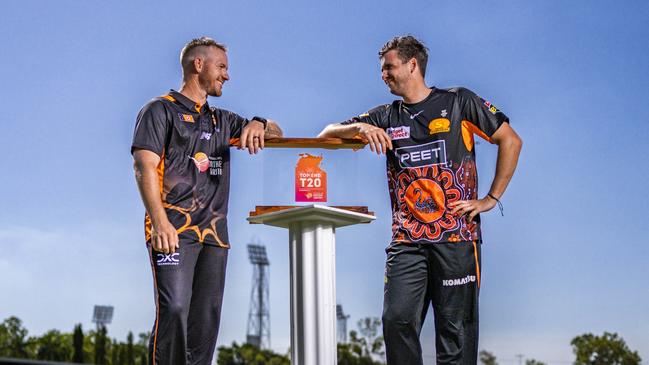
{"x": 182, "y": 166}
{"x": 434, "y": 254}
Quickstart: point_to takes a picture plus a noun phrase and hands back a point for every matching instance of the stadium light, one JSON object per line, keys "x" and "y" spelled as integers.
{"x": 257, "y": 254}
{"x": 102, "y": 315}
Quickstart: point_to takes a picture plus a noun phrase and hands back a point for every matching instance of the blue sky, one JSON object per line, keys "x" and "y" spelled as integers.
{"x": 569, "y": 256}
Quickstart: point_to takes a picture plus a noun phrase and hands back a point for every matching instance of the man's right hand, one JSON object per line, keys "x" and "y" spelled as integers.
{"x": 376, "y": 137}
{"x": 164, "y": 237}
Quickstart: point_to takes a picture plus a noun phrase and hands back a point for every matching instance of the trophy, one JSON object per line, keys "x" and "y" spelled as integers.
{"x": 312, "y": 248}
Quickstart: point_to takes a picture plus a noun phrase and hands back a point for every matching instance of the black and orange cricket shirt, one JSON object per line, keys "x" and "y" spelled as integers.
{"x": 433, "y": 162}
{"x": 193, "y": 143}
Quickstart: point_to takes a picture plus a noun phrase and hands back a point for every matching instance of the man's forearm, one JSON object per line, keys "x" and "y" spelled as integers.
{"x": 148, "y": 184}
{"x": 273, "y": 130}
{"x": 508, "y": 152}
{"x": 340, "y": 131}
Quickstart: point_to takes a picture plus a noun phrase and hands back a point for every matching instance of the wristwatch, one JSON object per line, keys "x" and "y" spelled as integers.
{"x": 260, "y": 120}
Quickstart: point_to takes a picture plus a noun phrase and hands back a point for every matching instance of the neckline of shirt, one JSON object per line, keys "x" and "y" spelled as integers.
{"x": 414, "y": 105}
{"x": 188, "y": 103}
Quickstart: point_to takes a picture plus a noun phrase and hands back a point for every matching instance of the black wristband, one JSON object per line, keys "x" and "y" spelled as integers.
{"x": 260, "y": 120}
{"x": 500, "y": 205}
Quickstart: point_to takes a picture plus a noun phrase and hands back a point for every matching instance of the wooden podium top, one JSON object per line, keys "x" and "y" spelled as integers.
{"x": 284, "y": 215}
{"x": 327, "y": 143}
{"x": 263, "y": 209}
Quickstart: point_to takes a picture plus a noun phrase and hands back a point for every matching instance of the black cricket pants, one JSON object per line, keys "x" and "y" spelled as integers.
{"x": 188, "y": 288}
{"x": 446, "y": 275}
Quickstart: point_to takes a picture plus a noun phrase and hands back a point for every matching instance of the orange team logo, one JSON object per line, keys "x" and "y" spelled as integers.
{"x": 201, "y": 161}
{"x": 423, "y": 195}
{"x": 425, "y": 199}
{"x": 439, "y": 125}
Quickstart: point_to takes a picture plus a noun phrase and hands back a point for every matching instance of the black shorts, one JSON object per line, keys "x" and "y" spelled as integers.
{"x": 189, "y": 288}
{"x": 444, "y": 274}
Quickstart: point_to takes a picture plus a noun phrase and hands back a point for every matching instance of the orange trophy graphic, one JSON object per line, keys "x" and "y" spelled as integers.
{"x": 310, "y": 179}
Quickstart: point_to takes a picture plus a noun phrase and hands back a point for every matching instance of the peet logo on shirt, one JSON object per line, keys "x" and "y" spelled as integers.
{"x": 429, "y": 154}
{"x": 399, "y": 132}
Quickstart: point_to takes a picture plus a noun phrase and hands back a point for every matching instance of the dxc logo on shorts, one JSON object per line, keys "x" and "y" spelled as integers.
{"x": 168, "y": 259}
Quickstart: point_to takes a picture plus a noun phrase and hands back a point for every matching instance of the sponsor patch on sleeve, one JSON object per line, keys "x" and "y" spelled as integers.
{"x": 492, "y": 108}
{"x": 399, "y": 132}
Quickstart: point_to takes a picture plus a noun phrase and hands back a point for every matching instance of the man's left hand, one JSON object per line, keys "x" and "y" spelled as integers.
{"x": 252, "y": 137}
{"x": 472, "y": 207}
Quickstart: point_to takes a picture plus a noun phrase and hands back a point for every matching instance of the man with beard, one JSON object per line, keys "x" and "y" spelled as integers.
{"x": 434, "y": 254}
{"x": 182, "y": 167}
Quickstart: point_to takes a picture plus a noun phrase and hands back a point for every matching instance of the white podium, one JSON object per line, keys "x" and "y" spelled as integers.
{"x": 312, "y": 242}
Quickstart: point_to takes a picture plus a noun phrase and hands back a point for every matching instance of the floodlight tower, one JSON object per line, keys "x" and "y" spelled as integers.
{"x": 258, "y": 333}
{"x": 102, "y": 315}
{"x": 341, "y": 318}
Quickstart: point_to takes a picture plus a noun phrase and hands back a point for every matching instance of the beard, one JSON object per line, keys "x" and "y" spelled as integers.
{"x": 394, "y": 88}
{"x": 215, "y": 92}
{"x": 211, "y": 88}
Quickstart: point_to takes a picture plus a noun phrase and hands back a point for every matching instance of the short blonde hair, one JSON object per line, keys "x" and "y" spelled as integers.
{"x": 187, "y": 55}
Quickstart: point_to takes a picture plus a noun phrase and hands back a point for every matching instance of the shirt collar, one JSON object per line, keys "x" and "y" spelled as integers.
{"x": 430, "y": 95}
{"x": 188, "y": 103}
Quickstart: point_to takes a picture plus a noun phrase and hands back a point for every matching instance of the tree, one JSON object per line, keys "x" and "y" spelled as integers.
{"x": 142, "y": 347}
{"x": 370, "y": 340}
{"x": 608, "y": 349}
{"x": 77, "y": 343}
{"x": 351, "y": 354}
{"x": 143, "y": 359}
{"x": 89, "y": 341}
{"x": 364, "y": 346}
{"x": 13, "y": 338}
{"x": 487, "y": 358}
{"x": 247, "y": 354}
{"x": 130, "y": 354}
{"x": 100, "y": 346}
{"x": 122, "y": 351}
{"x": 114, "y": 353}
{"x": 54, "y": 346}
